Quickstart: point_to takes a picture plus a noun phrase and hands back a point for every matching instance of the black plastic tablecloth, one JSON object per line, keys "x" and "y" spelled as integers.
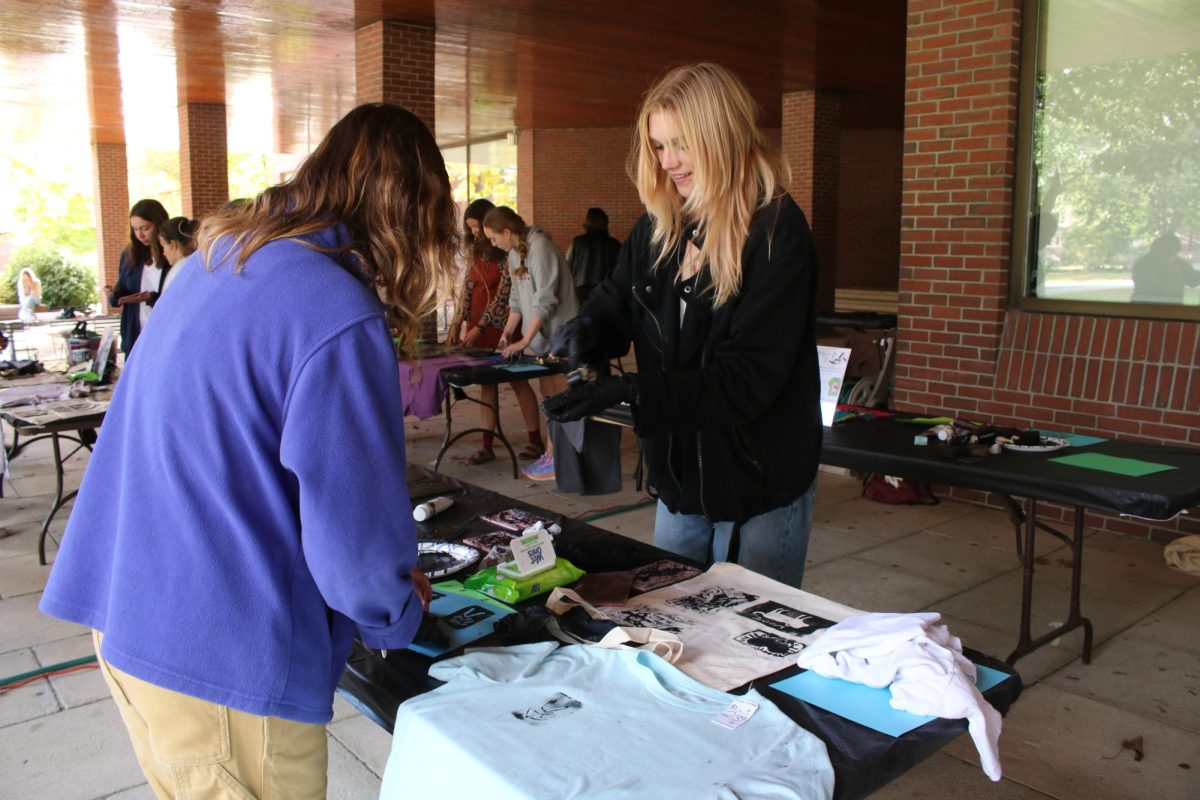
{"x": 863, "y": 759}
{"x": 886, "y": 446}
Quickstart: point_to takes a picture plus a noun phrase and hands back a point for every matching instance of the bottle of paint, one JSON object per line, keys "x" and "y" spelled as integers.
{"x": 427, "y": 509}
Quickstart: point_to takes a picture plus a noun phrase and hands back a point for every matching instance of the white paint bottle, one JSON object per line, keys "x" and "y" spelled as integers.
{"x": 429, "y": 508}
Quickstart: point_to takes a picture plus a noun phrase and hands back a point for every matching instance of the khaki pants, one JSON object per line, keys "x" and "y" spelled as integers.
{"x": 190, "y": 748}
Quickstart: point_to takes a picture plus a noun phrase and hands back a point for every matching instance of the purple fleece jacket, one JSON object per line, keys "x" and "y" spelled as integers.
{"x": 246, "y": 507}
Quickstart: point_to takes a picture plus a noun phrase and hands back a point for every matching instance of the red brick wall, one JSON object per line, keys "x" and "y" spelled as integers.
{"x": 961, "y": 349}
{"x": 809, "y": 141}
{"x": 203, "y": 158}
{"x": 110, "y": 182}
{"x": 394, "y": 64}
{"x": 868, "y": 243}
{"x": 563, "y": 172}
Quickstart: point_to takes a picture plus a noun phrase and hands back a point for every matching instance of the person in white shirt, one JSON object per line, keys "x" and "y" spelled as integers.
{"x": 176, "y": 237}
{"x": 140, "y": 270}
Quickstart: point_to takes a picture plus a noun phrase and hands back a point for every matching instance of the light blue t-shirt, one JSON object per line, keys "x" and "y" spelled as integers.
{"x": 533, "y": 721}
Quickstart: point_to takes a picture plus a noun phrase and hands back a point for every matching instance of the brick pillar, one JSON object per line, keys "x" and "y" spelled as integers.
{"x": 203, "y": 158}
{"x": 111, "y": 185}
{"x": 526, "y": 173}
{"x": 110, "y": 176}
{"x": 393, "y": 63}
{"x": 811, "y": 143}
{"x": 960, "y": 122}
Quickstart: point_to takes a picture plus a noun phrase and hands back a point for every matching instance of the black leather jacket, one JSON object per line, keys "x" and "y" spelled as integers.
{"x": 728, "y": 408}
{"x": 592, "y": 257}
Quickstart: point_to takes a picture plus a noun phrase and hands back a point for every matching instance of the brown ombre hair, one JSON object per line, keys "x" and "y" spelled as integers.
{"x": 379, "y": 173}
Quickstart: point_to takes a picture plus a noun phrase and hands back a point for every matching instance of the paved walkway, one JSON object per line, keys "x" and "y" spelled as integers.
{"x": 62, "y": 738}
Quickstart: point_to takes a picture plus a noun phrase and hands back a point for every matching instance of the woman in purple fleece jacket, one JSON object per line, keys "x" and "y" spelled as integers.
{"x": 245, "y": 511}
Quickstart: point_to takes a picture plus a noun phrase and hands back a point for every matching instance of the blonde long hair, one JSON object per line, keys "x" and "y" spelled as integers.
{"x": 734, "y": 175}
{"x": 379, "y": 173}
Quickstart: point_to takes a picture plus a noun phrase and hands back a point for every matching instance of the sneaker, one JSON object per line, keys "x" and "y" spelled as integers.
{"x": 540, "y": 470}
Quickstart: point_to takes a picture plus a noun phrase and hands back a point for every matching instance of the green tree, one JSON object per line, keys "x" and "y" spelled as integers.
{"x": 1124, "y": 140}
{"x": 52, "y": 211}
{"x": 64, "y": 281}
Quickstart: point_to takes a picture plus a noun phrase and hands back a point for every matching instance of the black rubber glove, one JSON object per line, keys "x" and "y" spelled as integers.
{"x": 576, "y": 340}
{"x": 590, "y": 397}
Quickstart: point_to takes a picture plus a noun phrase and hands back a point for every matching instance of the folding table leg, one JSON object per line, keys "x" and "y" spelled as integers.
{"x": 1025, "y": 643}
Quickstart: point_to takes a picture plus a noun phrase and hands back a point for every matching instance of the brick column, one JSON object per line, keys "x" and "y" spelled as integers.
{"x": 960, "y": 117}
{"x": 203, "y": 158}
{"x": 110, "y": 184}
{"x": 393, "y": 63}
{"x": 811, "y": 143}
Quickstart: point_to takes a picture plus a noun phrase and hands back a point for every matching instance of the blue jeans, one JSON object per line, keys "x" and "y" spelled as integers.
{"x": 774, "y": 544}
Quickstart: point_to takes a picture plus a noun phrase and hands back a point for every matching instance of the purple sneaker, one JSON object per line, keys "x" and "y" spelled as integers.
{"x": 540, "y": 470}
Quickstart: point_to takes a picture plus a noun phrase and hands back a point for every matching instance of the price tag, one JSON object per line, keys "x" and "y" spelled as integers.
{"x": 533, "y": 552}
{"x": 738, "y": 714}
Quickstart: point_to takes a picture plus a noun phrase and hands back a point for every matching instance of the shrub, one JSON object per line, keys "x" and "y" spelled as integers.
{"x": 65, "y": 282}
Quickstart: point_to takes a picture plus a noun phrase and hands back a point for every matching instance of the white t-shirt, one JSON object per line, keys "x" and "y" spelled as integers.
{"x": 151, "y": 275}
{"x": 533, "y": 721}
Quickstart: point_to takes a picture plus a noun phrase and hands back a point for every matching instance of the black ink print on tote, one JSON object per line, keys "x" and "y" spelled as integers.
{"x": 770, "y": 643}
{"x": 661, "y": 573}
{"x": 467, "y": 616}
{"x": 784, "y": 618}
{"x": 648, "y": 617}
{"x": 713, "y": 599}
{"x": 560, "y": 705}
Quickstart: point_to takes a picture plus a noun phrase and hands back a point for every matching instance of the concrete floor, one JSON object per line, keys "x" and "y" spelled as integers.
{"x": 62, "y": 737}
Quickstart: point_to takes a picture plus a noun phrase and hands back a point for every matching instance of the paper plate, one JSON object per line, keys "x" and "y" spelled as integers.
{"x": 1049, "y": 445}
{"x": 439, "y": 559}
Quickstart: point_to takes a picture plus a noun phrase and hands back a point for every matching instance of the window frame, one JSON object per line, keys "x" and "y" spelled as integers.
{"x": 1032, "y": 62}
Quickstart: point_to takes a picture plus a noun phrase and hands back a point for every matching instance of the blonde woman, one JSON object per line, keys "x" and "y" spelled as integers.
{"x": 542, "y": 299}
{"x": 716, "y": 289}
{"x": 226, "y": 590}
{"x": 29, "y": 295}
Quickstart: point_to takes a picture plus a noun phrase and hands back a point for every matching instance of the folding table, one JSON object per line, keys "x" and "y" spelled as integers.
{"x": 886, "y": 446}
{"x": 863, "y": 759}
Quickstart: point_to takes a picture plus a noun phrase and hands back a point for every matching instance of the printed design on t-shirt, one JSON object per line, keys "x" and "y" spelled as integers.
{"x": 434, "y": 595}
{"x": 661, "y": 573}
{"x": 467, "y": 616}
{"x": 648, "y": 617}
{"x": 558, "y": 706}
{"x": 484, "y": 542}
{"x": 770, "y": 643}
{"x": 784, "y": 618}
{"x": 713, "y": 599}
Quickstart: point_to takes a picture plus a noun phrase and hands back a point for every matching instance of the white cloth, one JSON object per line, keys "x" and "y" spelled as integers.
{"x": 151, "y": 277}
{"x": 735, "y": 624}
{"x": 533, "y": 721}
{"x": 177, "y": 268}
{"x": 921, "y": 662}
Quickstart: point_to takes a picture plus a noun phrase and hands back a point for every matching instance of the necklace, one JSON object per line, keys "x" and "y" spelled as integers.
{"x": 691, "y": 262}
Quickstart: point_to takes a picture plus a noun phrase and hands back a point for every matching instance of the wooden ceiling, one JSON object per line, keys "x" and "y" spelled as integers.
{"x": 527, "y": 64}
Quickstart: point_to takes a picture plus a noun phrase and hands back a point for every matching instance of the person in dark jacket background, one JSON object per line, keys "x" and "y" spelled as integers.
{"x": 593, "y": 255}
{"x": 716, "y": 288}
{"x": 142, "y": 267}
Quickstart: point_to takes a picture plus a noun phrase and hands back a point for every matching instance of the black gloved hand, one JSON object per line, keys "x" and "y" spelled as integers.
{"x": 590, "y": 397}
{"x": 577, "y": 341}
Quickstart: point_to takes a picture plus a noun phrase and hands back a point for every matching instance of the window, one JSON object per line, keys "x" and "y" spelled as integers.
{"x": 1107, "y": 217}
